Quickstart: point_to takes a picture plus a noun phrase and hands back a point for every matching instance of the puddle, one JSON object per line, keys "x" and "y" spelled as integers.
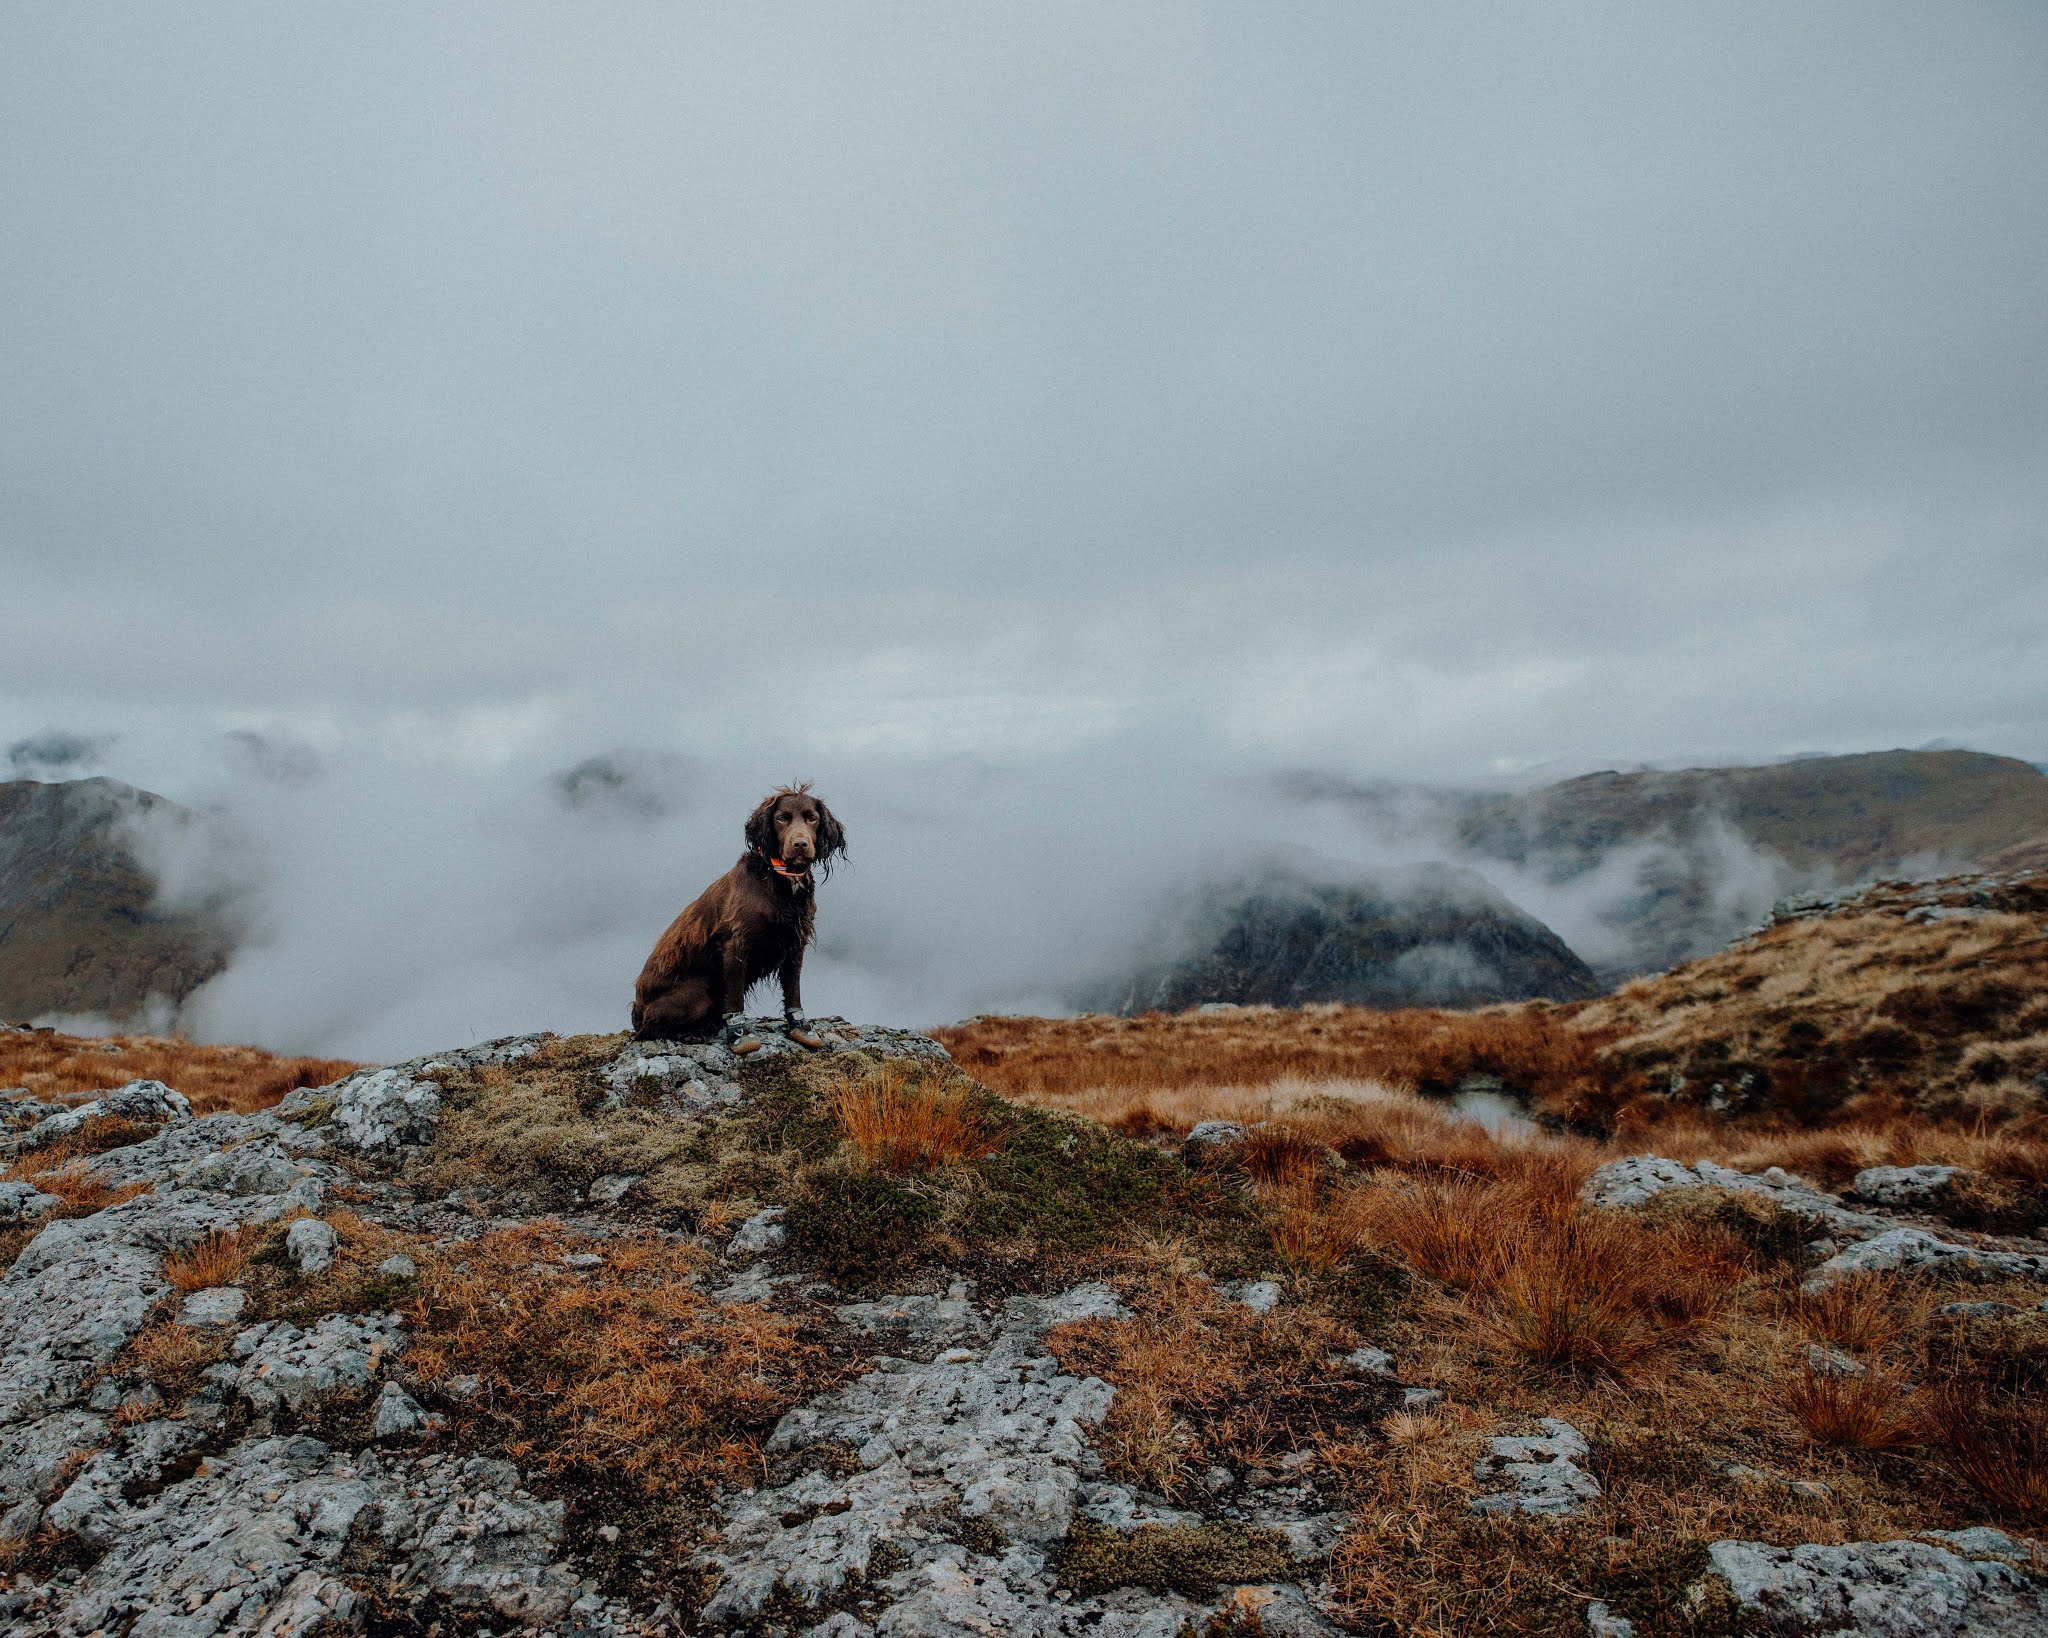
{"x": 1485, "y": 1099}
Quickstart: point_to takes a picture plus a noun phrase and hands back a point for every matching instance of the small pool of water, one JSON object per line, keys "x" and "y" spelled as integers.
{"x": 1500, "y": 1114}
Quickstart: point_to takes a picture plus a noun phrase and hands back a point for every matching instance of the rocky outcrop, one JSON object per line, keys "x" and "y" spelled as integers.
{"x": 1637, "y": 1178}
{"x": 1544, "y": 1477}
{"x": 1955, "y": 1584}
{"x": 1912, "y": 1250}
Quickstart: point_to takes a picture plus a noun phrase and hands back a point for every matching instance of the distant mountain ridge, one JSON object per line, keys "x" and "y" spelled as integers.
{"x": 1428, "y": 935}
{"x": 1833, "y": 820}
{"x": 80, "y": 929}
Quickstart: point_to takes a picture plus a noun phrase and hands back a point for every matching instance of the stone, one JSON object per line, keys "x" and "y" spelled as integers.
{"x": 925, "y": 1325}
{"x": 399, "y": 1414}
{"x": 761, "y": 1232}
{"x": 612, "y": 1188}
{"x": 21, "y": 1521}
{"x": 138, "y": 1101}
{"x": 1912, "y": 1250}
{"x": 398, "y": 1266}
{"x": 1544, "y": 1468}
{"x": 310, "y": 1242}
{"x": 1881, "y": 1589}
{"x": 682, "y": 1079}
{"x": 1420, "y": 1398}
{"x": 584, "y": 1261}
{"x": 1916, "y": 1187}
{"x": 380, "y": 1110}
{"x": 1260, "y": 1296}
{"x": 24, "y": 1202}
{"x": 1372, "y": 1361}
{"x": 1637, "y": 1178}
{"x": 1209, "y": 1140}
{"x": 283, "y": 1365}
{"x": 1975, "y": 1310}
{"x": 1830, "y": 1362}
{"x": 216, "y": 1306}
{"x": 1603, "y": 1623}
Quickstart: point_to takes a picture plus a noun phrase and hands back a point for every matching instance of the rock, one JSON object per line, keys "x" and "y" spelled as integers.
{"x": 1916, "y": 1187}
{"x": 21, "y": 1521}
{"x": 1420, "y": 1398}
{"x": 311, "y": 1604}
{"x": 1975, "y": 1310}
{"x": 36, "y": 1457}
{"x": 259, "y": 1167}
{"x": 1548, "y": 1482}
{"x": 92, "y": 1505}
{"x": 138, "y": 1101}
{"x": 761, "y": 1232}
{"x": 379, "y": 1110}
{"x": 1260, "y": 1296}
{"x": 1830, "y": 1362}
{"x": 310, "y": 1243}
{"x": 997, "y": 1438}
{"x": 771, "y": 1036}
{"x": 1601, "y": 1623}
{"x": 283, "y": 1365}
{"x": 1637, "y": 1178}
{"x": 1210, "y": 1140}
{"x": 217, "y": 1305}
{"x": 1881, "y": 1589}
{"x": 682, "y": 1079}
{"x": 399, "y": 1414}
{"x": 398, "y": 1266}
{"x": 1912, "y": 1250}
{"x": 612, "y": 1188}
{"x": 1372, "y": 1361}
{"x": 584, "y": 1261}
{"x": 929, "y": 1324}
{"x": 24, "y": 1202}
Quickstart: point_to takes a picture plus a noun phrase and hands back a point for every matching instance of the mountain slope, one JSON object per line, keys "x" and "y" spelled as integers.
{"x": 1426, "y": 936}
{"x": 80, "y": 931}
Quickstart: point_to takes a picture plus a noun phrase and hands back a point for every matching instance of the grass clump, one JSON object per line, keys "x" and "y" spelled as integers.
{"x": 907, "y": 1116}
{"x": 1997, "y": 1444}
{"x": 1870, "y": 1409}
{"x": 1190, "y": 1559}
{"x": 859, "y": 1226}
{"x": 219, "y": 1259}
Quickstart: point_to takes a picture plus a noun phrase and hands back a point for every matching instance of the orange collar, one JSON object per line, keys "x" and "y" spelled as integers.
{"x": 783, "y": 870}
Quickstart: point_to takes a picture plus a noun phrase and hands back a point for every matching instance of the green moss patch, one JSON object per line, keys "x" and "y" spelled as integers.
{"x": 1190, "y": 1559}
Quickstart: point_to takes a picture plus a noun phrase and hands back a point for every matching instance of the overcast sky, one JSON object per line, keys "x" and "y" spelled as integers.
{"x": 1407, "y": 390}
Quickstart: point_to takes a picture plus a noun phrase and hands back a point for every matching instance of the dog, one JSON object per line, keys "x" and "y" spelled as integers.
{"x": 754, "y": 920}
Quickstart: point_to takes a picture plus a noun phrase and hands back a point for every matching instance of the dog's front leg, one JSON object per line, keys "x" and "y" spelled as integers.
{"x": 733, "y": 971}
{"x": 792, "y": 986}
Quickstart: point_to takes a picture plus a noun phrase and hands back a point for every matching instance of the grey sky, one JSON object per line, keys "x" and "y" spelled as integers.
{"x": 1387, "y": 385}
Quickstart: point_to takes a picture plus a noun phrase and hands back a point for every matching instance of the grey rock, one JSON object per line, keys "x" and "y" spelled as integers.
{"x": 1420, "y": 1398}
{"x": 1912, "y": 1250}
{"x": 1601, "y": 1622}
{"x": 613, "y": 1187}
{"x": 283, "y": 1365}
{"x": 380, "y": 1110}
{"x": 92, "y": 1505}
{"x": 998, "y": 1436}
{"x": 1911, "y": 1186}
{"x": 20, "y": 1202}
{"x": 310, "y": 1242}
{"x": 399, "y": 1414}
{"x": 1372, "y": 1361}
{"x": 1119, "y": 1507}
{"x": 761, "y": 1232}
{"x": 680, "y": 1078}
{"x": 1976, "y": 1310}
{"x": 21, "y": 1521}
{"x": 1637, "y": 1178}
{"x": 1881, "y": 1589}
{"x": 138, "y": 1100}
{"x": 1544, "y": 1470}
{"x": 835, "y": 1035}
{"x": 925, "y": 1324}
{"x": 1830, "y": 1362}
{"x": 35, "y": 1456}
{"x": 216, "y": 1305}
{"x": 1260, "y": 1296}
{"x": 1210, "y": 1139}
{"x": 398, "y": 1266}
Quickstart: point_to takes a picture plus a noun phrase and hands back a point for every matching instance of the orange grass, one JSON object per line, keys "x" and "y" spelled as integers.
{"x": 1997, "y": 1446}
{"x": 1857, "y": 1312}
{"x": 219, "y": 1259}
{"x": 907, "y": 1117}
{"x": 1870, "y": 1410}
{"x": 64, "y": 1068}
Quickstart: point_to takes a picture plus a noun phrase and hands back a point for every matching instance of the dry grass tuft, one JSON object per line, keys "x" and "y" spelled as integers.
{"x": 67, "y": 1068}
{"x": 219, "y": 1259}
{"x": 1871, "y": 1409}
{"x": 1855, "y": 1313}
{"x": 911, "y": 1117}
{"x": 1997, "y": 1446}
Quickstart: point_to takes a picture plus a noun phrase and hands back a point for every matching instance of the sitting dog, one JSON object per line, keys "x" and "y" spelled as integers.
{"x": 754, "y": 920}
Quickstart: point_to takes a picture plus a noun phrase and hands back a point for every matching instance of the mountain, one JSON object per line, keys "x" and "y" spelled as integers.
{"x": 80, "y": 929}
{"x": 1719, "y": 844}
{"x": 1429, "y": 935}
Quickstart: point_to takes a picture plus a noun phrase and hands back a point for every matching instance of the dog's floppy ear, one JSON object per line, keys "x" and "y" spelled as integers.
{"x": 761, "y": 828}
{"x": 831, "y": 837}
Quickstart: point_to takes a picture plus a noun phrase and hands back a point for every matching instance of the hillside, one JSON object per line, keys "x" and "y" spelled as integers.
{"x": 80, "y": 931}
{"x": 1821, "y": 820}
{"x": 595, "y": 1337}
{"x": 1426, "y": 936}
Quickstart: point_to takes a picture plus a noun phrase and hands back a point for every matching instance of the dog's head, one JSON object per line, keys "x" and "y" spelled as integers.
{"x": 794, "y": 826}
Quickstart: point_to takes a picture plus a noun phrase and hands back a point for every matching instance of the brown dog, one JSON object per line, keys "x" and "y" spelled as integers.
{"x": 754, "y": 920}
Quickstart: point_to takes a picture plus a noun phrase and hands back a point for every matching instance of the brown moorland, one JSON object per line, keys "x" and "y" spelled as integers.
{"x": 60, "y": 1068}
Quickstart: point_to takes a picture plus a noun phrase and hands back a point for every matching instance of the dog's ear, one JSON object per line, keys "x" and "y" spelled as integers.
{"x": 761, "y": 826}
{"x": 831, "y": 836}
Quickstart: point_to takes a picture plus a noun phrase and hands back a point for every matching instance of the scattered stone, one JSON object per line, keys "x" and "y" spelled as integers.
{"x": 24, "y": 1202}
{"x": 1975, "y": 1310}
{"x": 613, "y": 1187}
{"x": 1548, "y": 1482}
{"x": 1372, "y": 1361}
{"x": 138, "y": 1101}
{"x": 217, "y": 1305}
{"x": 680, "y": 1079}
{"x": 1637, "y": 1178}
{"x": 398, "y": 1266}
{"x": 1912, "y": 1250}
{"x": 283, "y": 1365}
{"x": 1602, "y": 1623}
{"x": 399, "y": 1414}
{"x": 378, "y": 1111}
{"x": 1915, "y": 1187}
{"x": 1420, "y": 1398}
{"x": 760, "y": 1233}
{"x": 1830, "y": 1362}
{"x": 310, "y": 1243}
{"x": 1210, "y": 1140}
{"x": 1260, "y": 1296}
{"x": 584, "y": 1260}
{"x": 1881, "y": 1589}
{"x": 929, "y": 1324}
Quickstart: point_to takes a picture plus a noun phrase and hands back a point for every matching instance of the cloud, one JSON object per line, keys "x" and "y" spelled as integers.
{"x": 55, "y": 754}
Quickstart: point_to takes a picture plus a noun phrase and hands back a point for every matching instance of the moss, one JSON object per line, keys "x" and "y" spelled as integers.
{"x": 858, "y": 1226}
{"x": 1190, "y": 1559}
